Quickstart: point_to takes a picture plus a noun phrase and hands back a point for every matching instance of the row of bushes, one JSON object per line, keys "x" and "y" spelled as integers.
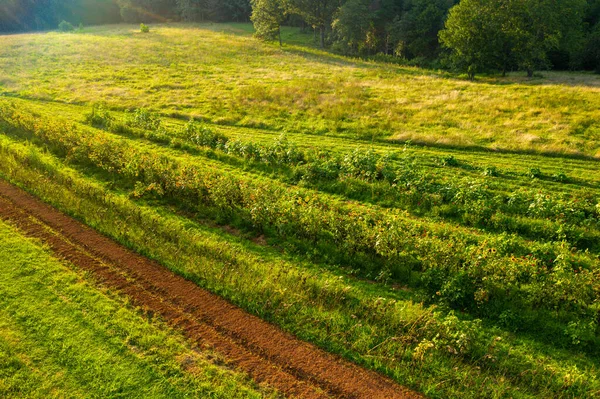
{"x": 397, "y": 179}
{"x": 392, "y": 336}
{"x": 497, "y": 276}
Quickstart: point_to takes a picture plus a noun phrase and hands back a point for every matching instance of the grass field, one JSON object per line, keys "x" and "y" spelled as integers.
{"x": 292, "y": 196}
{"x": 62, "y": 337}
{"x": 230, "y": 79}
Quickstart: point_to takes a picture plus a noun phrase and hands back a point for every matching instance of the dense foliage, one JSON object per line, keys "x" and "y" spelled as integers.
{"x": 268, "y": 16}
{"x": 479, "y": 35}
{"x": 500, "y": 34}
{"x": 23, "y": 15}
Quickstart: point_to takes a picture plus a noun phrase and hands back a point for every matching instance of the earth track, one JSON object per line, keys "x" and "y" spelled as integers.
{"x": 263, "y": 351}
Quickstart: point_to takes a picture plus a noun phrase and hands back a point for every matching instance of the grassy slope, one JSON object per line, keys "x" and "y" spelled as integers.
{"x": 62, "y": 337}
{"x": 249, "y": 90}
{"x": 231, "y": 78}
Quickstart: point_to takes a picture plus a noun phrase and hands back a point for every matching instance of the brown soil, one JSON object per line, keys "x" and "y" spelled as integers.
{"x": 250, "y": 344}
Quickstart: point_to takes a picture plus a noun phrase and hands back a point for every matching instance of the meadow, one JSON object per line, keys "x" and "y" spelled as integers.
{"x": 229, "y": 79}
{"x": 405, "y": 219}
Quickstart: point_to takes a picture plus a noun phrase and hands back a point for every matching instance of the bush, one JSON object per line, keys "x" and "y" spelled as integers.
{"x": 65, "y": 26}
{"x": 144, "y": 28}
{"x": 200, "y": 134}
{"x": 534, "y": 173}
{"x": 560, "y": 177}
{"x": 99, "y": 117}
{"x": 490, "y": 171}
{"x": 449, "y": 161}
{"x": 457, "y": 268}
{"x": 144, "y": 119}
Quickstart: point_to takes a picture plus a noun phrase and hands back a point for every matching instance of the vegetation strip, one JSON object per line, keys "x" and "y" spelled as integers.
{"x": 340, "y": 315}
{"x": 497, "y": 277}
{"x": 266, "y": 353}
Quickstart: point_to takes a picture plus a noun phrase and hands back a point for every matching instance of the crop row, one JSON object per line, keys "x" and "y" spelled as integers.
{"x": 395, "y": 337}
{"x": 517, "y": 282}
{"x": 404, "y": 183}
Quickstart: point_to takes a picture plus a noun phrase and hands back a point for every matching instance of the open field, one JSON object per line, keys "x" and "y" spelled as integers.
{"x": 453, "y": 269}
{"x": 230, "y": 78}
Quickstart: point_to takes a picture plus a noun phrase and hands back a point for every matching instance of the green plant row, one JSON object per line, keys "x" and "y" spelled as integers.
{"x": 366, "y": 175}
{"x": 518, "y": 283}
{"x": 453, "y": 358}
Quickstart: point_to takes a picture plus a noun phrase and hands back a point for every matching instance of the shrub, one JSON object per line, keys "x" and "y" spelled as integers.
{"x": 449, "y": 161}
{"x": 99, "y": 117}
{"x": 144, "y": 119}
{"x": 458, "y": 268}
{"x": 534, "y": 173}
{"x": 65, "y": 26}
{"x": 200, "y": 134}
{"x": 144, "y": 28}
{"x": 560, "y": 177}
{"x": 490, "y": 171}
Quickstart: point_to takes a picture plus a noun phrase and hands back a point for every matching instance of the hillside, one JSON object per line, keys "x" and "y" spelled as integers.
{"x": 220, "y": 73}
{"x": 442, "y": 232}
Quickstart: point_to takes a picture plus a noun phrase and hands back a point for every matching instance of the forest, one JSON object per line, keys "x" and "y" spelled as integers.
{"x": 471, "y": 35}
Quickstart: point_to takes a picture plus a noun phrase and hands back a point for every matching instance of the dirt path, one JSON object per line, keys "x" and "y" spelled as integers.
{"x": 252, "y": 345}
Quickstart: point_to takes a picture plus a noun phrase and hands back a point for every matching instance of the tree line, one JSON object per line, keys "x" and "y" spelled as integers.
{"x": 472, "y": 35}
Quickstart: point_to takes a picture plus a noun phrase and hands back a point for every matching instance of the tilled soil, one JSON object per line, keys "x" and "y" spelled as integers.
{"x": 263, "y": 351}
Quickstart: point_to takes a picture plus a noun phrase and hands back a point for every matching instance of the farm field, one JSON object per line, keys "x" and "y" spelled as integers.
{"x": 441, "y": 232}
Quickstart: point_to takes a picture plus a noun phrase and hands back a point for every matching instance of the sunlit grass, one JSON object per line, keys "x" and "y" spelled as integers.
{"x": 220, "y": 72}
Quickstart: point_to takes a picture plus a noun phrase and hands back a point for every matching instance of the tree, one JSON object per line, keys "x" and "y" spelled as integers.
{"x": 267, "y": 17}
{"x": 537, "y": 26}
{"x": 351, "y": 24}
{"x": 472, "y": 32}
{"x": 193, "y": 10}
{"x": 218, "y": 10}
{"x": 317, "y": 13}
{"x": 484, "y": 34}
{"x": 419, "y": 25}
{"x": 232, "y": 10}
{"x": 591, "y": 55}
{"x": 147, "y": 10}
{"x": 95, "y": 12}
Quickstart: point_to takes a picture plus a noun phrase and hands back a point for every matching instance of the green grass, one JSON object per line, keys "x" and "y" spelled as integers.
{"x": 60, "y": 336}
{"x": 473, "y": 259}
{"x": 373, "y": 324}
{"x": 221, "y": 73}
